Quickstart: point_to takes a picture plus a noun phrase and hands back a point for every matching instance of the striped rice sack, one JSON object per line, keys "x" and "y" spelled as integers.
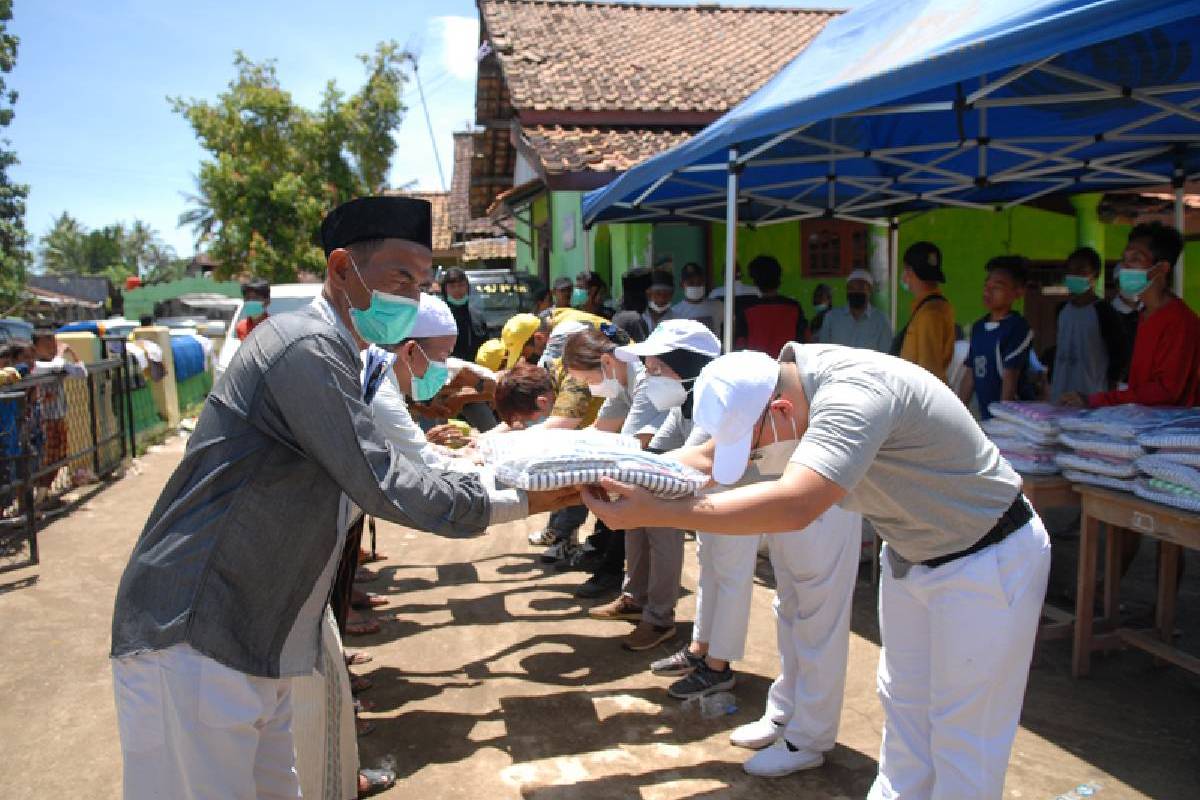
{"x": 1103, "y": 445}
{"x": 1171, "y": 471}
{"x": 1099, "y": 464}
{"x": 660, "y": 476}
{"x": 1189, "y": 457}
{"x": 1042, "y": 418}
{"x": 1127, "y": 421}
{"x": 1167, "y": 493}
{"x": 1106, "y": 481}
{"x": 1182, "y": 435}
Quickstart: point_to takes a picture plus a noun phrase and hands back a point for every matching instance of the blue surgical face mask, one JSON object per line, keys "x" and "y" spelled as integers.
{"x": 1133, "y": 281}
{"x": 388, "y": 319}
{"x": 1077, "y": 284}
{"x": 578, "y": 296}
{"x": 436, "y": 374}
{"x": 253, "y": 308}
{"x": 458, "y": 301}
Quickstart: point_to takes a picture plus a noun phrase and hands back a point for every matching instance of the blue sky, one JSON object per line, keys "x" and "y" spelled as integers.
{"x": 96, "y": 136}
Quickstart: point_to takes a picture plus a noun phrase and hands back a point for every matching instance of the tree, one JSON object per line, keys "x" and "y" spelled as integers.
{"x": 276, "y": 169}
{"x": 13, "y": 237}
{"x": 114, "y": 251}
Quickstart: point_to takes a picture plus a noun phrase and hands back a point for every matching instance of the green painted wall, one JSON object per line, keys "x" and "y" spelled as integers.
{"x": 566, "y": 208}
{"x": 630, "y": 247}
{"x": 526, "y": 261}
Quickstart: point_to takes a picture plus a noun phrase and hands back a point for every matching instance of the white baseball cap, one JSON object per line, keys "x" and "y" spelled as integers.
{"x": 731, "y": 395}
{"x": 434, "y": 318}
{"x": 673, "y": 334}
{"x": 860, "y": 275}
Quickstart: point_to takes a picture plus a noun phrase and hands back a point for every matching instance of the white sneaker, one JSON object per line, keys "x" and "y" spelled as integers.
{"x": 542, "y": 538}
{"x": 777, "y": 760}
{"x": 755, "y": 735}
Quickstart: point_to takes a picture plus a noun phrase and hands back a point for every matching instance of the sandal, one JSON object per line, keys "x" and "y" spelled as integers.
{"x": 358, "y": 658}
{"x": 365, "y": 600}
{"x": 374, "y": 781}
{"x": 360, "y": 683}
{"x": 365, "y": 557}
{"x": 358, "y": 625}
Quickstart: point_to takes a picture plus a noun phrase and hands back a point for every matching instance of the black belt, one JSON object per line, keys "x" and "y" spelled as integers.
{"x": 1015, "y": 518}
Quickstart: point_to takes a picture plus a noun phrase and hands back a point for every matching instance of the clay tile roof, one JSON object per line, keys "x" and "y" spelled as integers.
{"x": 443, "y": 234}
{"x": 484, "y": 249}
{"x": 584, "y": 55}
{"x": 567, "y": 149}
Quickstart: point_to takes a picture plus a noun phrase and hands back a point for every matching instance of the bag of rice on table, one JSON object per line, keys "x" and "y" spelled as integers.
{"x": 1182, "y": 435}
{"x": 1157, "y": 466}
{"x": 1082, "y": 441}
{"x": 1127, "y": 421}
{"x": 543, "y": 460}
{"x": 1099, "y": 464}
{"x": 1042, "y": 418}
{"x": 1105, "y": 481}
{"x": 1167, "y": 493}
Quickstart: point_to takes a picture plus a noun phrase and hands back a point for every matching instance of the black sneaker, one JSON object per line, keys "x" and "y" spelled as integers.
{"x": 558, "y": 552}
{"x": 704, "y": 680}
{"x": 678, "y": 664}
{"x": 582, "y": 560}
{"x": 598, "y": 585}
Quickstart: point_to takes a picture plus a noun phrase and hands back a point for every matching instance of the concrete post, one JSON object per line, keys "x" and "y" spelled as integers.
{"x": 166, "y": 394}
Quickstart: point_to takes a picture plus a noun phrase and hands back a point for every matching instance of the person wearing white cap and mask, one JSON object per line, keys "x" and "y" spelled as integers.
{"x": 674, "y": 354}
{"x": 967, "y": 557}
{"x": 858, "y": 323}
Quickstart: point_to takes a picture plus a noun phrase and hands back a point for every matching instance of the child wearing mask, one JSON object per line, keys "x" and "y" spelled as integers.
{"x": 658, "y": 298}
{"x": 1090, "y": 347}
{"x": 1000, "y": 340}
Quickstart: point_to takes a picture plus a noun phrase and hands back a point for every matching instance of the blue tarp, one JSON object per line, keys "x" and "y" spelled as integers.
{"x": 899, "y": 106}
{"x": 188, "y": 355}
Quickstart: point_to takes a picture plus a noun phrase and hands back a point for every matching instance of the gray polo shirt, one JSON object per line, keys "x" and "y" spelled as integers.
{"x": 906, "y": 450}
{"x": 871, "y": 331}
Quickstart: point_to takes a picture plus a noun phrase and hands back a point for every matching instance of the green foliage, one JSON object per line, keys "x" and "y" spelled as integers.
{"x": 115, "y": 251}
{"x": 13, "y": 237}
{"x": 276, "y": 169}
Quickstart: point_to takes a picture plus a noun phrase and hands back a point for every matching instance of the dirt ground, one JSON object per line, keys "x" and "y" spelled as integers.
{"x": 491, "y": 681}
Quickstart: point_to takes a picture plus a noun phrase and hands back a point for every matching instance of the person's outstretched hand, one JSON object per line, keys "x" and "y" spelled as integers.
{"x": 553, "y": 499}
{"x": 622, "y": 506}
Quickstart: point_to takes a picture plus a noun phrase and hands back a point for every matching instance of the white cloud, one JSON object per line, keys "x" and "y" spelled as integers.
{"x": 459, "y": 43}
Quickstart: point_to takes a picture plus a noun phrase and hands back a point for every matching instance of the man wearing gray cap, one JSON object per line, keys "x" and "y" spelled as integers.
{"x": 222, "y": 600}
{"x": 967, "y": 557}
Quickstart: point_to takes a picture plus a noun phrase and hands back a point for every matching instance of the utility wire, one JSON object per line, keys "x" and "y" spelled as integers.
{"x": 429, "y": 123}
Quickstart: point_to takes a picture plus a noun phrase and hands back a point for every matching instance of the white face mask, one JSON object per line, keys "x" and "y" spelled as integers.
{"x": 665, "y": 393}
{"x": 694, "y": 293}
{"x": 656, "y": 308}
{"x": 607, "y": 388}
{"x": 770, "y": 461}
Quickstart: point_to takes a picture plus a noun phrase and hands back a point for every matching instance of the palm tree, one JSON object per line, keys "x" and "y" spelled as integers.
{"x": 200, "y": 216}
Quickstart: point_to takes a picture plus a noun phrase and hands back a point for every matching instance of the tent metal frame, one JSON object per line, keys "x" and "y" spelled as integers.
{"x": 1051, "y": 162}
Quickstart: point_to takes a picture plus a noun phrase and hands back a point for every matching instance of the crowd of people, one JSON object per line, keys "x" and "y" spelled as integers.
{"x": 231, "y": 677}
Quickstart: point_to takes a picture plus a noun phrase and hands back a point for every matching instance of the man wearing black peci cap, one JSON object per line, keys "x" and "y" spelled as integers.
{"x": 928, "y": 338}
{"x": 222, "y": 600}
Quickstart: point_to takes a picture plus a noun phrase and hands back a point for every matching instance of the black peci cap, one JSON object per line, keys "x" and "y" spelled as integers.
{"x": 367, "y": 218}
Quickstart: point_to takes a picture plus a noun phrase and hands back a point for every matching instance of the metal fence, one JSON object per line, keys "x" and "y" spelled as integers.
{"x": 57, "y": 431}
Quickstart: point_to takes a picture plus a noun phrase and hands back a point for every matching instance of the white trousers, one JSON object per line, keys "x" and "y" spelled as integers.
{"x": 723, "y": 593}
{"x": 815, "y": 570}
{"x": 957, "y": 642}
{"x": 194, "y": 729}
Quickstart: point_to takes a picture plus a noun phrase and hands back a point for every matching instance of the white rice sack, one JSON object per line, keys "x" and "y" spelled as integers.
{"x": 1031, "y": 463}
{"x": 1167, "y": 493}
{"x": 1183, "y": 435}
{"x": 998, "y": 429}
{"x": 1120, "y": 484}
{"x": 542, "y": 460}
{"x": 1127, "y": 421}
{"x": 1044, "y": 418}
{"x": 1171, "y": 471}
{"x": 1189, "y": 457}
{"x": 1099, "y": 464}
{"x": 1103, "y": 445}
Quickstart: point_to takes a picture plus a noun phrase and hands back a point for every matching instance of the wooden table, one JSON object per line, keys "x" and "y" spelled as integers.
{"x": 1049, "y": 491}
{"x": 1174, "y": 528}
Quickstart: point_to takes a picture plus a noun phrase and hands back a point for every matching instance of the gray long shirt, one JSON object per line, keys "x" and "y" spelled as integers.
{"x": 238, "y": 555}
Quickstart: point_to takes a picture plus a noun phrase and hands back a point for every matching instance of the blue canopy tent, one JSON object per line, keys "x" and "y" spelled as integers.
{"x": 899, "y": 107}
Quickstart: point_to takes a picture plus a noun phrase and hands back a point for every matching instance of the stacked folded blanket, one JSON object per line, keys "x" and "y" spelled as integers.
{"x": 1171, "y": 473}
{"x": 539, "y": 460}
{"x": 1027, "y": 434}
